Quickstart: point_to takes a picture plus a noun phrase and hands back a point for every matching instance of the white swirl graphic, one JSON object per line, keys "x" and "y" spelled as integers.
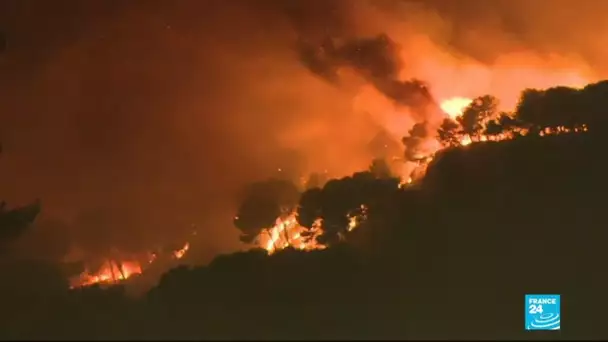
{"x": 548, "y": 321}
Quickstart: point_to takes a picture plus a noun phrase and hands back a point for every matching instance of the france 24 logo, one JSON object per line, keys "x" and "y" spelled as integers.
{"x": 543, "y": 312}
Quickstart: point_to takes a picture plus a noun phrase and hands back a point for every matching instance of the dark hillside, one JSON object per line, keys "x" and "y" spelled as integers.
{"x": 506, "y": 219}
{"x": 451, "y": 258}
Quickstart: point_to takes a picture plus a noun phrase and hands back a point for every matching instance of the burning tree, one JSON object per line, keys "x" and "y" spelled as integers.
{"x": 342, "y": 204}
{"x": 449, "y": 133}
{"x": 476, "y": 116}
{"x": 415, "y": 147}
{"x": 263, "y": 203}
{"x": 326, "y": 213}
{"x": 479, "y": 121}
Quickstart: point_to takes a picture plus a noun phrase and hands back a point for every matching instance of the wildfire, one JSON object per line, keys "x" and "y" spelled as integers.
{"x": 111, "y": 272}
{"x": 455, "y": 106}
{"x": 405, "y": 181}
{"x": 355, "y": 219}
{"x": 114, "y": 271}
{"x": 287, "y": 232}
{"x": 466, "y": 140}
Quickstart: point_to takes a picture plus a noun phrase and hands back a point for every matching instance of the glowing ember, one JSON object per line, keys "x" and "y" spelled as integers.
{"x": 178, "y": 254}
{"x": 152, "y": 257}
{"x": 405, "y": 181}
{"x": 354, "y": 220}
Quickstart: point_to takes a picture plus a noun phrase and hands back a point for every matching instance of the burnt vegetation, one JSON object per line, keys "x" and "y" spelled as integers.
{"x": 450, "y": 258}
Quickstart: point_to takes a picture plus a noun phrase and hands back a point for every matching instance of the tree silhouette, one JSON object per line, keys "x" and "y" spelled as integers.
{"x": 594, "y": 104}
{"x": 263, "y": 202}
{"x": 503, "y": 124}
{"x": 342, "y": 198}
{"x": 449, "y": 132}
{"x": 494, "y": 128}
{"x": 477, "y": 114}
{"x": 529, "y": 108}
{"x": 14, "y": 222}
{"x": 310, "y": 208}
{"x": 559, "y": 106}
{"x": 413, "y": 141}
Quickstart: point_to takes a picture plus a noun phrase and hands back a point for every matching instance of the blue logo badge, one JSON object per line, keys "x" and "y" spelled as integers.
{"x": 543, "y": 312}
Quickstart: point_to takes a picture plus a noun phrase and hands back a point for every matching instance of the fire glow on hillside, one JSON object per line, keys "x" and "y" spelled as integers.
{"x": 114, "y": 271}
{"x": 287, "y": 232}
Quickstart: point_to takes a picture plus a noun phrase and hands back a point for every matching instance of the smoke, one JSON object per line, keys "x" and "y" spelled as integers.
{"x": 376, "y": 59}
{"x": 153, "y": 114}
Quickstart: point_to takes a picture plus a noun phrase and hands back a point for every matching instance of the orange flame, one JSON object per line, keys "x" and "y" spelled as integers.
{"x": 110, "y": 273}
{"x": 178, "y": 254}
{"x": 454, "y": 107}
{"x": 113, "y": 271}
{"x": 287, "y": 232}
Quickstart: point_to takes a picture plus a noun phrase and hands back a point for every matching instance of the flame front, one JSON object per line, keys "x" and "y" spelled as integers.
{"x": 287, "y": 232}
{"x": 111, "y": 272}
{"x": 114, "y": 271}
{"x": 455, "y": 107}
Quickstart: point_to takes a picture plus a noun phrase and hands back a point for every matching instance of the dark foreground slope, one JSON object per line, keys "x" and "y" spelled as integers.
{"x": 525, "y": 216}
{"x": 451, "y": 259}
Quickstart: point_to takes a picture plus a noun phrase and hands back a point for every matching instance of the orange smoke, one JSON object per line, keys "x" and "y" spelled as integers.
{"x": 452, "y": 77}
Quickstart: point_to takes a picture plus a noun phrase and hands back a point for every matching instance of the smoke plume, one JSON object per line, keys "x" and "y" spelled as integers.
{"x": 376, "y": 59}
{"x": 154, "y": 114}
